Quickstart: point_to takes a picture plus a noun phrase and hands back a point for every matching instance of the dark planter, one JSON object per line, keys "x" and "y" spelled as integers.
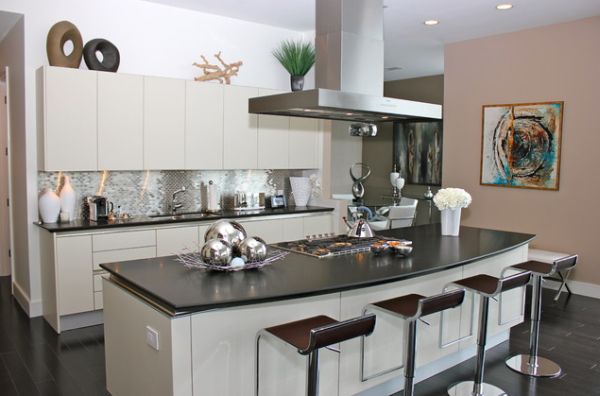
{"x": 297, "y": 83}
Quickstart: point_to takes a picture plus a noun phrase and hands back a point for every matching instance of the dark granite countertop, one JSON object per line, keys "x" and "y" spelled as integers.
{"x": 80, "y": 225}
{"x": 178, "y": 290}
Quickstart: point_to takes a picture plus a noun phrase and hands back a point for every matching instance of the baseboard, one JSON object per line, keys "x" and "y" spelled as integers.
{"x": 577, "y": 287}
{"x": 31, "y": 308}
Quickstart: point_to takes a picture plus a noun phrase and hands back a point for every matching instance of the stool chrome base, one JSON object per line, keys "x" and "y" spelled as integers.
{"x": 545, "y": 367}
{"x": 466, "y": 389}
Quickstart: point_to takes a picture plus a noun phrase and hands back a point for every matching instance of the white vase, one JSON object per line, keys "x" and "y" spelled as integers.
{"x": 49, "y": 206}
{"x": 68, "y": 198}
{"x": 301, "y": 189}
{"x": 450, "y": 221}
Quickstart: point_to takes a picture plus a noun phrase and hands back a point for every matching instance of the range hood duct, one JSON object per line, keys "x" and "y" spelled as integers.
{"x": 348, "y": 71}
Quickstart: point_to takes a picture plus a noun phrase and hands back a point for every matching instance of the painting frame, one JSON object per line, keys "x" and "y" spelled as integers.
{"x": 556, "y": 142}
{"x": 424, "y": 166}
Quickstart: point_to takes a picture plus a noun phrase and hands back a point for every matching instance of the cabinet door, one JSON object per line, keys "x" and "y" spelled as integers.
{"x": 203, "y": 125}
{"x": 293, "y": 229}
{"x": 303, "y": 143}
{"x": 69, "y": 125}
{"x": 240, "y": 129}
{"x": 120, "y": 121}
{"x": 272, "y": 138}
{"x": 75, "y": 280}
{"x": 269, "y": 230}
{"x": 170, "y": 241}
{"x": 164, "y": 123}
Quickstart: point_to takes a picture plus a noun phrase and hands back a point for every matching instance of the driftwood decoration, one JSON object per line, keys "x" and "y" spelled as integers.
{"x": 222, "y": 72}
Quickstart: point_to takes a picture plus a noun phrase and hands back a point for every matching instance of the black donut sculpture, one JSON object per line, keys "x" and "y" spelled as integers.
{"x": 58, "y": 35}
{"x": 110, "y": 55}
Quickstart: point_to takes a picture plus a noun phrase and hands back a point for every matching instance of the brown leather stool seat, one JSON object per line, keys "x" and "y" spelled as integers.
{"x": 532, "y": 364}
{"x": 412, "y": 307}
{"x": 311, "y": 334}
{"x": 487, "y": 287}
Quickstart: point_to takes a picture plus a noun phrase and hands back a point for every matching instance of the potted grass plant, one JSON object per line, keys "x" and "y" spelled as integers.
{"x": 297, "y": 57}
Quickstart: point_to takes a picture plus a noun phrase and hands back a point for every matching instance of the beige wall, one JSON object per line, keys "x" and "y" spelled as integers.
{"x": 377, "y": 152}
{"x": 558, "y": 62}
{"x": 12, "y": 55}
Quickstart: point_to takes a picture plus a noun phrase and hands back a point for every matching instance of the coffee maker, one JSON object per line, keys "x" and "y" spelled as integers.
{"x": 99, "y": 207}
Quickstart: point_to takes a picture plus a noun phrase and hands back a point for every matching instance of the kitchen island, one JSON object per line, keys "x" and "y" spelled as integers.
{"x": 205, "y": 322}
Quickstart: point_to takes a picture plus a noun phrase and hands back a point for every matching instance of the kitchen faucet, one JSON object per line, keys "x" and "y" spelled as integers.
{"x": 175, "y": 204}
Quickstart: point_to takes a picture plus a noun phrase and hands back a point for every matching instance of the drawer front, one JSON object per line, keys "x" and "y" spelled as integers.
{"x": 123, "y": 240}
{"x": 170, "y": 241}
{"x": 111, "y": 256}
{"x": 98, "y": 303}
{"x": 98, "y": 282}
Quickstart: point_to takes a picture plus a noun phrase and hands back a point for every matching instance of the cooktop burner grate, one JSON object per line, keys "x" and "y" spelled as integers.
{"x": 333, "y": 246}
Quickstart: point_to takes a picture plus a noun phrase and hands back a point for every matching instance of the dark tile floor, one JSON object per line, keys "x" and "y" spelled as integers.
{"x": 36, "y": 361}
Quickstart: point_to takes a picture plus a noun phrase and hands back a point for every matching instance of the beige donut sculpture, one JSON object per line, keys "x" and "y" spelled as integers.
{"x": 58, "y": 35}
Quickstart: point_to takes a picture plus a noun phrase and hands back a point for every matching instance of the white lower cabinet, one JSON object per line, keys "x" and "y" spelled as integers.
{"x": 71, "y": 272}
{"x": 74, "y": 274}
{"x": 170, "y": 241}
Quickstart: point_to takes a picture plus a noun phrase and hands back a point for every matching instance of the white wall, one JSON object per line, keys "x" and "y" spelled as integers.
{"x": 152, "y": 39}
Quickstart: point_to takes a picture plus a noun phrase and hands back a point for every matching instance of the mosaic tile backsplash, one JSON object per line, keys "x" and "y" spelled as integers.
{"x": 149, "y": 192}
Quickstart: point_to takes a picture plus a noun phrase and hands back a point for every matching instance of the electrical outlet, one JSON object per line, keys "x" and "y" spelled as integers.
{"x": 152, "y": 337}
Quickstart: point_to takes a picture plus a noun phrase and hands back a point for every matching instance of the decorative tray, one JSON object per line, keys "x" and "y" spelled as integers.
{"x": 194, "y": 260}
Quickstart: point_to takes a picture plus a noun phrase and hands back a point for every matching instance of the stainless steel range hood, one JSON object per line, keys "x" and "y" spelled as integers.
{"x": 348, "y": 70}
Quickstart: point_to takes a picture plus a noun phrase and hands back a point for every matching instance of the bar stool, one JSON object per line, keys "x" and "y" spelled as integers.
{"x": 487, "y": 287}
{"x": 532, "y": 364}
{"x": 311, "y": 334}
{"x": 411, "y": 308}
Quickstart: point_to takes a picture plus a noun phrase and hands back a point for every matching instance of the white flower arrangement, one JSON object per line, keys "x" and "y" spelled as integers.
{"x": 452, "y": 198}
{"x": 315, "y": 183}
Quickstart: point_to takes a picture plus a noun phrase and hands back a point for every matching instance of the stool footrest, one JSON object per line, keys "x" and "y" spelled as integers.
{"x": 545, "y": 367}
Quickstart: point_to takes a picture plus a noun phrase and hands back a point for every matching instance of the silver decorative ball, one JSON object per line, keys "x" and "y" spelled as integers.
{"x": 227, "y": 230}
{"x": 253, "y": 249}
{"x": 216, "y": 252}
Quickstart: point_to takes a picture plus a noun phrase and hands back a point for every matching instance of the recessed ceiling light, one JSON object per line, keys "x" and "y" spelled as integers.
{"x": 504, "y": 7}
{"x": 431, "y": 22}
{"x": 393, "y": 68}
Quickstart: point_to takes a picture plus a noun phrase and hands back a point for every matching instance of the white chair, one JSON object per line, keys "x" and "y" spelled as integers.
{"x": 399, "y": 216}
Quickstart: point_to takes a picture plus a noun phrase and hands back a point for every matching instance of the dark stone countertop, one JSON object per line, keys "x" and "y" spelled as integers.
{"x": 178, "y": 290}
{"x": 80, "y": 225}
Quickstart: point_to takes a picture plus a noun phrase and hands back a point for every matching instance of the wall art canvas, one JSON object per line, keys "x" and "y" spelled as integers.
{"x": 418, "y": 151}
{"x": 521, "y": 145}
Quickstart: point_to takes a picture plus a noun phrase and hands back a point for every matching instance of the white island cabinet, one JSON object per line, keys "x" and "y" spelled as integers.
{"x": 210, "y": 349}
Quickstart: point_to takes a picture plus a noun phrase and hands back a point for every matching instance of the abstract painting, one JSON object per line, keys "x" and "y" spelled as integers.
{"x": 418, "y": 151}
{"x": 521, "y": 145}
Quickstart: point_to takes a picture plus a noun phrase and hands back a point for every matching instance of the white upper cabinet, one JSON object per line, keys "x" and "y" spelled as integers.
{"x": 67, "y": 119}
{"x": 120, "y": 121}
{"x": 203, "y": 125}
{"x": 303, "y": 146}
{"x": 273, "y": 138}
{"x": 164, "y": 123}
{"x": 240, "y": 149}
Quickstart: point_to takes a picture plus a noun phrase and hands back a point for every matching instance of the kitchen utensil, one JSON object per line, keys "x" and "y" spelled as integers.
{"x": 360, "y": 229}
{"x": 216, "y": 252}
{"x": 253, "y": 249}
{"x": 229, "y": 231}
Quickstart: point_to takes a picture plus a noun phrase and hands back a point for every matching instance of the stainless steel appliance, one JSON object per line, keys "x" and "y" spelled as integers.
{"x": 99, "y": 207}
{"x": 276, "y": 201}
{"x": 332, "y": 245}
{"x": 348, "y": 72}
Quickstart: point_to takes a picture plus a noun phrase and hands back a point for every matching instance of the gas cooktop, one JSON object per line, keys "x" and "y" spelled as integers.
{"x": 332, "y": 246}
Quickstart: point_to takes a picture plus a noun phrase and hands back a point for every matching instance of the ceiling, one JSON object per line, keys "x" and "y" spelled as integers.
{"x": 409, "y": 44}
